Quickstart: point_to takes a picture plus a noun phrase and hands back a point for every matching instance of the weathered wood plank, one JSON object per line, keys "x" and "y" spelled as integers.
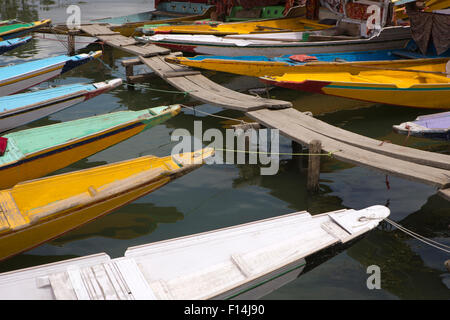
{"x": 202, "y": 88}
{"x": 97, "y": 30}
{"x": 345, "y": 152}
{"x": 399, "y": 152}
{"x": 315, "y": 148}
{"x": 445, "y": 193}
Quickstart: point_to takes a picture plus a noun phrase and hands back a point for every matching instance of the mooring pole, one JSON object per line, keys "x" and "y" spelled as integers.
{"x": 315, "y": 149}
{"x": 71, "y": 42}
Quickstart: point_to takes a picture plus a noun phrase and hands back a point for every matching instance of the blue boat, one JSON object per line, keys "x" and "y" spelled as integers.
{"x": 23, "y": 108}
{"x": 19, "y": 77}
{"x": 433, "y": 126}
{"x": 9, "y": 45}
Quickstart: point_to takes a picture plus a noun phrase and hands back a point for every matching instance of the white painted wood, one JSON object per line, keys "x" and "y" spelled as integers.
{"x": 243, "y": 45}
{"x": 223, "y": 263}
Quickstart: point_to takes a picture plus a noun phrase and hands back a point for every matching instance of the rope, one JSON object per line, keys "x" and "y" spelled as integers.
{"x": 423, "y": 239}
{"x": 329, "y": 154}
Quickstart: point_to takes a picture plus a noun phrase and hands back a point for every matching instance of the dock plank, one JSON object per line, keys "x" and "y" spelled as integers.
{"x": 432, "y": 159}
{"x": 445, "y": 193}
{"x": 206, "y": 90}
{"x": 345, "y": 152}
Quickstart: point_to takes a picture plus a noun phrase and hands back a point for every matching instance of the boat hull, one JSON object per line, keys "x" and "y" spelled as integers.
{"x": 21, "y": 31}
{"x": 16, "y": 81}
{"x": 247, "y": 27}
{"x": 12, "y": 44}
{"x": 276, "y": 50}
{"x": 43, "y": 162}
{"x": 34, "y": 236}
{"x": 426, "y": 96}
{"x": 34, "y": 111}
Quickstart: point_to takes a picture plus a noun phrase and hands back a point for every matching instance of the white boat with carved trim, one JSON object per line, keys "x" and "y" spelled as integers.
{"x": 241, "y": 262}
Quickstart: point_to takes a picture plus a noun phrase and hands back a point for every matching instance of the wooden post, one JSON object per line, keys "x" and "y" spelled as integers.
{"x": 71, "y": 42}
{"x": 297, "y": 148}
{"x": 315, "y": 148}
{"x": 129, "y": 72}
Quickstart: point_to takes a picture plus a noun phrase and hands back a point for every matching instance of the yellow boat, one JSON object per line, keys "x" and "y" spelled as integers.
{"x": 420, "y": 83}
{"x": 260, "y": 26}
{"x": 37, "y": 211}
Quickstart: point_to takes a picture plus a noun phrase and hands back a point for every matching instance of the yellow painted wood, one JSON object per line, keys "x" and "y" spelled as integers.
{"x": 393, "y": 85}
{"x": 259, "y": 26}
{"x": 39, "y": 167}
{"x": 247, "y": 68}
{"x": 37, "y": 211}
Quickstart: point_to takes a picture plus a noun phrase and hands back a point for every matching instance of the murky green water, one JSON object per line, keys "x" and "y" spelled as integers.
{"x": 218, "y": 196}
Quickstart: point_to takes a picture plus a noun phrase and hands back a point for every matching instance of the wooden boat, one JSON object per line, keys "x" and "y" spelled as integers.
{"x": 70, "y": 200}
{"x": 241, "y": 262}
{"x": 421, "y": 83}
{"x": 165, "y": 12}
{"x": 22, "y": 76}
{"x": 33, "y": 153}
{"x": 275, "y": 45}
{"x": 433, "y": 126}
{"x": 9, "y": 45}
{"x": 237, "y": 13}
{"x": 288, "y": 24}
{"x": 258, "y": 66}
{"x": 15, "y": 30}
{"x": 20, "y": 109}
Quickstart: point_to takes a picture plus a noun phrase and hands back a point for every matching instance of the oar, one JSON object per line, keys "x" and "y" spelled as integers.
{"x": 273, "y": 28}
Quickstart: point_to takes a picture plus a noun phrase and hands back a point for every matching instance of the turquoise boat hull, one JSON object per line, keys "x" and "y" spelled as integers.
{"x": 20, "y": 109}
{"x": 19, "y": 77}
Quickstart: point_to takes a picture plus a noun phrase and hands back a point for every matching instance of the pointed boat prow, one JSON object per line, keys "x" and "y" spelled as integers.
{"x": 196, "y": 158}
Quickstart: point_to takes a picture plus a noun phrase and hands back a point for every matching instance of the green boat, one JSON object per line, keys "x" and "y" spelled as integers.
{"x": 33, "y": 153}
{"x": 14, "y": 29}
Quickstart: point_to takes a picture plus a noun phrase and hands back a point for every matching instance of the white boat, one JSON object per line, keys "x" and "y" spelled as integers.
{"x": 279, "y": 44}
{"x": 241, "y": 262}
{"x": 20, "y": 109}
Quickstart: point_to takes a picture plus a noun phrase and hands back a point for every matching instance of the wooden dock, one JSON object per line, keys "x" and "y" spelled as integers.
{"x": 408, "y": 163}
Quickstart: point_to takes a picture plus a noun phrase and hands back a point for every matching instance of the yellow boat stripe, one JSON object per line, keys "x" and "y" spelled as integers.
{"x": 31, "y": 76}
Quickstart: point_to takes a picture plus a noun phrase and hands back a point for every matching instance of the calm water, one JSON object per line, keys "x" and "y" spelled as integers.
{"x": 219, "y": 196}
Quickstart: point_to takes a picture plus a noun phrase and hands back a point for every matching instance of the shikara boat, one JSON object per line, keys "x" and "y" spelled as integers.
{"x": 33, "y": 153}
{"x": 20, "y": 109}
{"x": 287, "y": 24}
{"x": 433, "y": 126}
{"x": 22, "y": 76}
{"x": 246, "y": 261}
{"x": 237, "y": 13}
{"x": 34, "y": 212}
{"x": 276, "y": 45}
{"x": 9, "y": 45}
{"x": 420, "y": 83}
{"x": 15, "y": 30}
{"x": 166, "y": 12}
{"x": 258, "y": 66}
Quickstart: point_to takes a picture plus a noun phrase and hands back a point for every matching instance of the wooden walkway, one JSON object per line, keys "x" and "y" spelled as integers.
{"x": 408, "y": 163}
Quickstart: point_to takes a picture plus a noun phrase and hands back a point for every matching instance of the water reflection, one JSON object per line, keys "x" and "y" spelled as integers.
{"x": 410, "y": 269}
{"x": 132, "y": 221}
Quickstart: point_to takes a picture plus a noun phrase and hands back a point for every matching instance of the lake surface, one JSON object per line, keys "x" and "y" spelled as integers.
{"x": 217, "y": 196}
